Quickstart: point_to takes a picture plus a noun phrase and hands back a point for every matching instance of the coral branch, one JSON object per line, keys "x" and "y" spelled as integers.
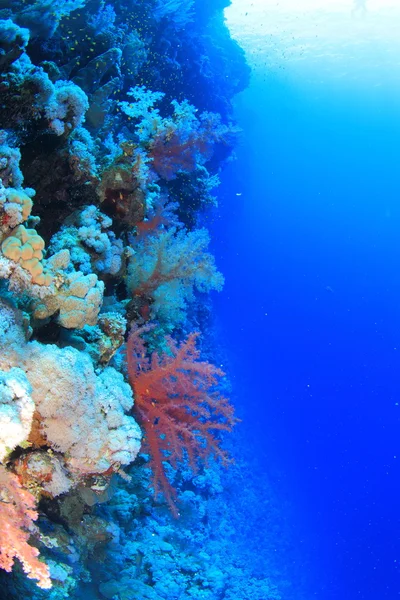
{"x": 167, "y": 267}
{"x": 177, "y": 405}
{"x": 17, "y": 513}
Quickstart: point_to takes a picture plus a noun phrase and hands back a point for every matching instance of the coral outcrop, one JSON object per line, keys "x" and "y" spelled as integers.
{"x": 114, "y": 128}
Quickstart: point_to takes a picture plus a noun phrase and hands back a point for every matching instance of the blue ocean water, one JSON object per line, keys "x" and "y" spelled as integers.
{"x": 307, "y": 237}
{"x": 117, "y": 428}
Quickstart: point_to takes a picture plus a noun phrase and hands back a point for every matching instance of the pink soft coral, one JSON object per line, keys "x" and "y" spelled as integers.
{"x": 173, "y": 155}
{"x": 187, "y": 142}
{"x": 177, "y": 405}
{"x": 17, "y": 513}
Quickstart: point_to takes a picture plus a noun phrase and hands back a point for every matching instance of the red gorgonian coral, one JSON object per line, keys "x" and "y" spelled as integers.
{"x": 177, "y": 404}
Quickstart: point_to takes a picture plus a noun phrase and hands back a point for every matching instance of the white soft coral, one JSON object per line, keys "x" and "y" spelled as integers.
{"x": 16, "y": 410}
{"x": 80, "y": 411}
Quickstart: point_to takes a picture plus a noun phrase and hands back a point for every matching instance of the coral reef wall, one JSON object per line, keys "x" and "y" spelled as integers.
{"x": 115, "y": 123}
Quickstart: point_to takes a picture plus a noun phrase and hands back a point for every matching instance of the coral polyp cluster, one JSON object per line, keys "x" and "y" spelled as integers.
{"x": 114, "y": 126}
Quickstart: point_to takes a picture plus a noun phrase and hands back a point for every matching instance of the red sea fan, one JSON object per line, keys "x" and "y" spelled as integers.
{"x": 184, "y": 142}
{"x": 175, "y": 155}
{"x": 163, "y": 215}
{"x": 17, "y": 513}
{"x": 177, "y": 404}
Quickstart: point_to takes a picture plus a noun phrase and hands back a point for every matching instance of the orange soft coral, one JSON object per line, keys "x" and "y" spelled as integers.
{"x": 177, "y": 405}
{"x": 17, "y": 513}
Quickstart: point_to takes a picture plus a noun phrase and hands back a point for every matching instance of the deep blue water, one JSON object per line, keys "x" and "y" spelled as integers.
{"x": 307, "y": 234}
{"x": 308, "y": 239}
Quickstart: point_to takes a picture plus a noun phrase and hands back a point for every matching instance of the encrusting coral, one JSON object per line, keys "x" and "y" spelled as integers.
{"x": 22, "y": 246}
{"x": 16, "y": 207}
{"x": 25, "y": 247}
{"x": 76, "y": 301}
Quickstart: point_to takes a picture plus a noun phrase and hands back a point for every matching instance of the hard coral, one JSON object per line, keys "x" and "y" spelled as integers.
{"x": 43, "y": 473}
{"x": 21, "y": 255}
{"x": 15, "y": 207}
{"x": 13, "y": 40}
{"x": 177, "y": 404}
{"x": 120, "y": 193}
{"x": 77, "y": 302}
{"x": 25, "y": 246}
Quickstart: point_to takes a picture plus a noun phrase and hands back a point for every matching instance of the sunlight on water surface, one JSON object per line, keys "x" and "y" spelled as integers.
{"x": 355, "y": 40}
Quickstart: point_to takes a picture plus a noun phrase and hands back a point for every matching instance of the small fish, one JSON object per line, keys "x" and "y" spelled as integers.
{"x": 329, "y": 289}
